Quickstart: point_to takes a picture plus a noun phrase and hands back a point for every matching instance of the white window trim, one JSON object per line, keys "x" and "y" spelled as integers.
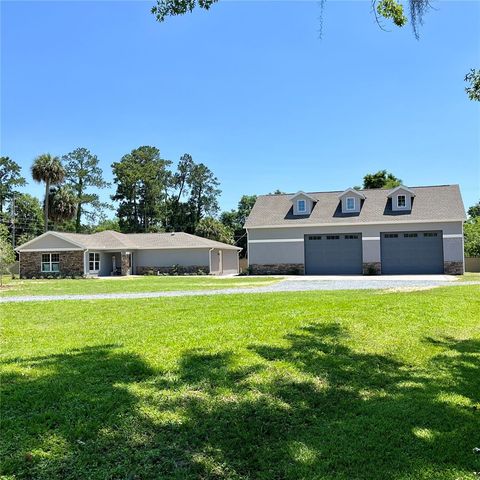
{"x": 398, "y": 198}
{"x": 346, "y": 203}
{"x": 300, "y": 210}
{"x": 49, "y": 262}
{"x": 88, "y": 260}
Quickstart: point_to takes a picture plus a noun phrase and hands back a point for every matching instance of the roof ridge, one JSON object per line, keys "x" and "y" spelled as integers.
{"x": 359, "y": 190}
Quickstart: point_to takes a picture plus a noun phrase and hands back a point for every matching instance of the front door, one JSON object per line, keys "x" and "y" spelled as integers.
{"x": 93, "y": 263}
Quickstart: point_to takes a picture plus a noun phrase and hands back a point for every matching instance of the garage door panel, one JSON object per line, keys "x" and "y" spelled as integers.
{"x": 333, "y": 254}
{"x": 412, "y": 252}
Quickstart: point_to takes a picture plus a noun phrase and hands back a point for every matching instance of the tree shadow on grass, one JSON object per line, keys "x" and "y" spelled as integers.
{"x": 313, "y": 408}
{"x": 318, "y": 409}
{"x": 55, "y": 417}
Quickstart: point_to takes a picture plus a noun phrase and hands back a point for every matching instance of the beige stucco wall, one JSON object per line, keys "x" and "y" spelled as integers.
{"x": 166, "y": 258}
{"x": 51, "y": 242}
{"x": 223, "y": 262}
{"x": 291, "y": 249}
{"x": 230, "y": 262}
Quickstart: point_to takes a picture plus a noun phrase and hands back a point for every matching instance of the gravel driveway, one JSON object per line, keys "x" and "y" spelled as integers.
{"x": 287, "y": 285}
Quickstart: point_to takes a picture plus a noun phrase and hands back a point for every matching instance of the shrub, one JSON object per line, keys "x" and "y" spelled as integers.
{"x": 371, "y": 270}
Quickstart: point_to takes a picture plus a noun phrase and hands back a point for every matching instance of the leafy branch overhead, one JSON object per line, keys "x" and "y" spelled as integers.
{"x": 387, "y": 9}
{"x": 473, "y": 90}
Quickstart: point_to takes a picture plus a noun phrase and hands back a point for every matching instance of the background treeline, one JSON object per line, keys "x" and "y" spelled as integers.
{"x": 151, "y": 194}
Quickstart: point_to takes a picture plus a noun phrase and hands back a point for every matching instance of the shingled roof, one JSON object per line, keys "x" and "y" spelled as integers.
{"x": 430, "y": 204}
{"x": 110, "y": 240}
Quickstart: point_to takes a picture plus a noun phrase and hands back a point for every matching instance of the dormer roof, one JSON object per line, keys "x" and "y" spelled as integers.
{"x": 438, "y": 203}
{"x": 302, "y": 194}
{"x": 352, "y": 191}
{"x": 401, "y": 187}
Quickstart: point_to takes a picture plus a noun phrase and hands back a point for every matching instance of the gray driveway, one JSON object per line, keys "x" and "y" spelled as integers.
{"x": 289, "y": 284}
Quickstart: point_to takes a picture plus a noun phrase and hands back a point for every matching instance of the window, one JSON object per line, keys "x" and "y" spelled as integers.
{"x": 430, "y": 234}
{"x": 93, "y": 262}
{"x": 301, "y": 205}
{"x": 351, "y": 237}
{"x": 401, "y": 201}
{"x": 350, "y": 203}
{"x": 314, "y": 237}
{"x": 50, "y": 262}
{"x": 391, "y": 235}
{"x": 410, "y": 235}
{"x": 333, "y": 237}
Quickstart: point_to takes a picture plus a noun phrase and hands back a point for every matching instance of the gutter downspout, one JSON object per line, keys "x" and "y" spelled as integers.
{"x": 248, "y": 249}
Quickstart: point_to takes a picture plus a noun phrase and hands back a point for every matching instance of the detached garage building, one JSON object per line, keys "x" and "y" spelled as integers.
{"x": 112, "y": 253}
{"x": 417, "y": 230}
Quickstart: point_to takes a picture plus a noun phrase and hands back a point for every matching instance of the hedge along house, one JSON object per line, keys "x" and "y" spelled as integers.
{"x": 404, "y": 230}
{"x": 111, "y": 253}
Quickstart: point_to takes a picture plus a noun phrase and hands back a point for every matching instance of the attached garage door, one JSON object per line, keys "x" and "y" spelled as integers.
{"x": 333, "y": 254}
{"x": 412, "y": 252}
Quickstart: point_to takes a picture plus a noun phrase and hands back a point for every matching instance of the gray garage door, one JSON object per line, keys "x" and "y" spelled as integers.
{"x": 333, "y": 254}
{"x": 412, "y": 252}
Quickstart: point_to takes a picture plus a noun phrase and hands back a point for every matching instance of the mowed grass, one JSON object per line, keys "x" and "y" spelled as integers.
{"x": 313, "y": 385}
{"x": 129, "y": 284}
{"x": 469, "y": 277}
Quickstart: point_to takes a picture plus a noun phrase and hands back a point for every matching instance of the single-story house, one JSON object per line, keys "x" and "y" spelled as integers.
{"x": 417, "y": 230}
{"x": 112, "y": 253}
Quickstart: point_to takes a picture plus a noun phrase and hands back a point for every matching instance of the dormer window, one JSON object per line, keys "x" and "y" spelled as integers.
{"x": 351, "y": 201}
{"x": 401, "y": 199}
{"x": 302, "y": 203}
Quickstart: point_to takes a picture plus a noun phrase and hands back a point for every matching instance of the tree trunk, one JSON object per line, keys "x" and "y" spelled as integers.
{"x": 45, "y": 212}
{"x": 78, "y": 225}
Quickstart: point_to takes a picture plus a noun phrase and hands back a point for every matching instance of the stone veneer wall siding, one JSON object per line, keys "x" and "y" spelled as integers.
{"x": 179, "y": 269}
{"x": 453, "y": 268}
{"x": 278, "y": 269}
{"x": 71, "y": 264}
{"x": 125, "y": 268}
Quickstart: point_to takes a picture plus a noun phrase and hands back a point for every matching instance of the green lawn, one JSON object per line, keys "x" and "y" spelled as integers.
{"x": 469, "y": 277}
{"x": 127, "y": 284}
{"x": 358, "y": 385}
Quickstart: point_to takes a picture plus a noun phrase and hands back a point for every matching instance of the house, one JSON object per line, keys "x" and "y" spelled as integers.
{"x": 110, "y": 253}
{"x": 416, "y": 230}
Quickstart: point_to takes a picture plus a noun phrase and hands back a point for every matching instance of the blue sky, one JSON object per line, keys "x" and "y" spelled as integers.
{"x": 247, "y": 88}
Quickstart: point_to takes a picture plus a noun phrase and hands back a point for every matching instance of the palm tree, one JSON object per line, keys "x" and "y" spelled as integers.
{"x": 63, "y": 204}
{"x": 47, "y": 168}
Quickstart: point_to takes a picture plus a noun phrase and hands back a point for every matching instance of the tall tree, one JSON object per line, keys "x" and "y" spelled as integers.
{"x": 28, "y": 218}
{"x": 82, "y": 171}
{"x": 7, "y": 255}
{"x": 204, "y": 192}
{"x": 235, "y": 220}
{"x": 142, "y": 178}
{"x": 474, "y": 210}
{"x": 471, "y": 231}
{"x": 48, "y": 169}
{"x": 213, "y": 229}
{"x": 10, "y": 178}
{"x": 381, "y": 179}
{"x": 63, "y": 204}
